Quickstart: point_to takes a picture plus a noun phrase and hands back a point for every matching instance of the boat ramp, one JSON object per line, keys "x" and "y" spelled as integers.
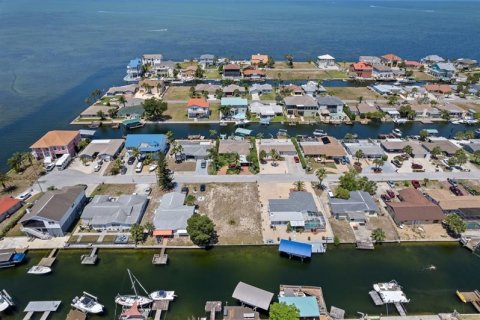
{"x": 365, "y": 245}
{"x": 49, "y": 260}
{"x": 45, "y": 307}
{"x": 90, "y": 258}
{"x": 470, "y": 296}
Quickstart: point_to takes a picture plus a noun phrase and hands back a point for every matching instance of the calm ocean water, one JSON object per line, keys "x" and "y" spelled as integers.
{"x": 54, "y": 52}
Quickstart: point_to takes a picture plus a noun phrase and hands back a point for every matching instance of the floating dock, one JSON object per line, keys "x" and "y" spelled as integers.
{"x": 213, "y": 307}
{"x": 470, "y": 296}
{"x": 389, "y": 293}
{"x": 376, "y": 298}
{"x": 90, "y": 258}
{"x": 161, "y": 258}
{"x": 45, "y": 307}
{"x": 159, "y": 306}
{"x": 50, "y": 260}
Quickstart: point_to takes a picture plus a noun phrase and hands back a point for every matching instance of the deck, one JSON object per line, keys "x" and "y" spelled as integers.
{"x": 50, "y": 260}
{"x": 90, "y": 258}
{"x": 46, "y": 307}
{"x": 161, "y": 258}
{"x": 213, "y": 307}
{"x": 472, "y": 297}
{"x": 159, "y": 306}
{"x": 376, "y": 298}
{"x": 365, "y": 245}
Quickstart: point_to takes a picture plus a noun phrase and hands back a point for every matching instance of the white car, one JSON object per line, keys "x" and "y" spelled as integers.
{"x": 50, "y": 167}
{"x": 97, "y": 168}
{"x": 24, "y": 196}
{"x": 153, "y": 167}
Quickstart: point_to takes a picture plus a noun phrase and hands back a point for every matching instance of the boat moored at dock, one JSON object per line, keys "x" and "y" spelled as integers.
{"x": 10, "y": 258}
{"x": 129, "y": 300}
{"x": 87, "y": 303}
{"x": 162, "y": 295}
{"x": 39, "y": 270}
{"x": 319, "y": 133}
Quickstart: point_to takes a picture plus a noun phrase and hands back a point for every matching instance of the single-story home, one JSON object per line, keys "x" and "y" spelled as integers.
{"x": 54, "y": 213}
{"x": 128, "y": 89}
{"x": 311, "y": 88}
{"x": 114, "y": 213}
{"x": 105, "y": 149}
{"x": 198, "y": 108}
{"x": 259, "y": 59}
{"x": 258, "y": 88}
{"x": 301, "y": 105}
{"x": 207, "y": 59}
{"x": 433, "y": 58}
{"x": 93, "y": 111}
{"x": 210, "y": 89}
{"x": 327, "y": 147}
{"x": 371, "y": 60}
{"x": 397, "y": 146}
{"x": 382, "y": 72}
{"x": 471, "y": 147}
{"x": 242, "y": 147}
{"x": 391, "y": 59}
{"x": 8, "y": 206}
{"x": 364, "y": 108}
{"x": 326, "y": 62}
{"x": 292, "y": 89}
{"x": 414, "y": 208}
{"x": 356, "y": 208}
{"x": 425, "y": 111}
{"x": 56, "y": 143}
{"x": 146, "y": 143}
{"x": 453, "y": 110}
{"x": 172, "y": 214}
{"x": 451, "y": 203}
{"x": 193, "y": 149}
{"x": 265, "y": 110}
{"x": 229, "y": 91}
{"x": 254, "y": 73}
{"x": 284, "y": 147}
{"x": 370, "y": 149}
{"x": 438, "y": 88}
{"x": 447, "y": 147}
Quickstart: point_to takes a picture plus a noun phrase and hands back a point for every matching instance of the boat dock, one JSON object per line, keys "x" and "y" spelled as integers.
{"x": 365, "y": 245}
{"x": 75, "y": 314}
{"x": 472, "y": 297}
{"x": 46, "y": 307}
{"x": 213, "y": 307}
{"x": 400, "y": 309}
{"x": 159, "y": 306}
{"x": 376, "y": 298}
{"x": 90, "y": 258}
{"x": 316, "y": 292}
{"x": 50, "y": 260}
{"x": 161, "y": 258}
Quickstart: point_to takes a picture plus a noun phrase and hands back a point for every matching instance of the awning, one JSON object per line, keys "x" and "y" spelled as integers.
{"x": 163, "y": 233}
{"x": 298, "y": 249}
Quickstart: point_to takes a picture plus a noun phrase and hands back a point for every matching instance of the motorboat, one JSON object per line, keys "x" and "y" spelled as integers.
{"x": 153, "y": 167}
{"x": 282, "y": 132}
{"x": 390, "y": 292}
{"x": 128, "y": 300}
{"x": 10, "y": 258}
{"x": 5, "y": 301}
{"x": 400, "y": 120}
{"x": 162, "y": 295}
{"x": 397, "y": 132}
{"x": 39, "y": 270}
{"x": 471, "y": 121}
{"x": 455, "y": 121}
{"x": 87, "y": 303}
{"x": 319, "y": 133}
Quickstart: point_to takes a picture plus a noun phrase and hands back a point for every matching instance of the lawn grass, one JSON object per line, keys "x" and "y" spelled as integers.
{"x": 268, "y": 96}
{"x": 177, "y": 111}
{"x": 296, "y": 65}
{"x": 352, "y": 93}
{"x": 113, "y": 189}
{"x": 186, "y": 64}
{"x": 422, "y": 76}
{"x": 314, "y": 74}
{"x": 212, "y": 73}
{"x": 177, "y": 93}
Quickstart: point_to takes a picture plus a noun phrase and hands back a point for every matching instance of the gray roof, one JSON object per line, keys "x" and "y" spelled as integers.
{"x": 110, "y": 147}
{"x": 472, "y": 147}
{"x": 234, "y": 146}
{"x": 300, "y": 201}
{"x": 54, "y": 204}
{"x": 370, "y": 149}
{"x": 207, "y": 57}
{"x": 329, "y": 101}
{"x": 359, "y": 201}
{"x": 448, "y": 66}
{"x": 123, "y": 89}
{"x": 433, "y": 58}
{"x": 153, "y": 56}
{"x": 252, "y": 296}
{"x": 381, "y": 67}
{"x": 195, "y": 149}
{"x": 172, "y": 214}
{"x": 261, "y": 87}
{"x": 370, "y": 59}
{"x": 106, "y": 210}
{"x": 306, "y": 100}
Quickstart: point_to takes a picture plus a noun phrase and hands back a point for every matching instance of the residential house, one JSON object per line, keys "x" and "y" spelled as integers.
{"x": 259, "y": 59}
{"x": 241, "y": 147}
{"x": 386, "y": 89}
{"x": 232, "y": 90}
{"x": 152, "y": 59}
{"x": 364, "y": 108}
{"x": 94, "y": 110}
{"x": 207, "y": 60}
{"x": 132, "y": 107}
{"x": 232, "y": 71}
{"x": 327, "y": 147}
{"x": 414, "y": 208}
{"x": 391, "y": 59}
{"x": 193, "y": 149}
{"x": 128, "y": 89}
{"x": 172, "y": 214}
{"x": 134, "y": 70}
{"x": 371, "y": 60}
{"x": 326, "y": 62}
{"x": 369, "y": 148}
{"x": 433, "y": 58}
{"x": 258, "y": 88}
{"x": 238, "y": 106}
{"x": 412, "y": 64}
{"x": 188, "y": 72}
{"x": 54, "y": 213}
{"x": 265, "y": 110}
{"x": 56, "y": 143}
{"x": 165, "y": 69}
{"x": 292, "y": 89}
{"x": 465, "y": 64}
{"x": 391, "y": 111}
{"x": 442, "y": 70}
{"x": 397, "y": 146}
{"x": 114, "y": 213}
{"x": 472, "y": 147}
{"x": 284, "y": 147}
{"x": 453, "y": 111}
{"x": 8, "y": 206}
{"x": 448, "y": 148}
{"x": 425, "y": 111}
{"x": 198, "y": 108}
{"x": 311, "y": 88}
{"x": 301, "y": 105}
{"x": 439, "y": 88}
{"x": 299, "y": 210}
{"x": 254, "y": 73}
{"x": 362, "y": 69}
{"x": 356, "y": 208}
{"x": 382, "y": 72}
{"x": 147, "y": 143}
{"x": 451, "y": 203}
{"x": 210, "y": 89}
{"x": 104, "y": 149}
{"x": 330, "y": 103}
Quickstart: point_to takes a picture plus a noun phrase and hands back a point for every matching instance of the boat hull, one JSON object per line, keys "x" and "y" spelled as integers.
{"x": 162, "y": 295}
{"x": 39, "y": 270}
{"x": 129, "y": 300}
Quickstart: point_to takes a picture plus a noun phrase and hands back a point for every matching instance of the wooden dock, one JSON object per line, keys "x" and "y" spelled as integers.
{"x": 159, "y": 306}
{"x": 161, "y": 258}
{"x": 213, "y": 307}
{"x": 75, "y": 314}
{"x": 90, "y": 258}
{"x": 316, "y": 292}
{"x": 50, "y": 260}
{"x": 376, "y": 298}
{"x": 472, "y": 297}
{"x": 46, "y": 307}
{"x": 400, "y": 309}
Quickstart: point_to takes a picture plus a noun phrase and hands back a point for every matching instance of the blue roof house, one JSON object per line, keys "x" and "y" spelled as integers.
{"x": 237, "y": 105}
{"x": 147, "y": 143}
{"x": 134, "y": 70}
{"x": 307, "y": 306}
{"x": 442, "y": 70}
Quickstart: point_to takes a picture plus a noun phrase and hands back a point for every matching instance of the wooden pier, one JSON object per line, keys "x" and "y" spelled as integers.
{"x": 50, "y": 260}
{"x": 400, "y": 309}
{"x": 159, "y": 306}
{"x": 90, "y": 258}
{"x": 213, "y": 307}
{"x": 472, "y": 297}
{"x": 161, "y": 258}
{"x": 316, "y": 292}
{"x": 46, "y": 307}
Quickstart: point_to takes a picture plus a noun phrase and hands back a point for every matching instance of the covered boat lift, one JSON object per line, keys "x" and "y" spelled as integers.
{"x": 295, "y": 248}
{"x": 252, "y": 296}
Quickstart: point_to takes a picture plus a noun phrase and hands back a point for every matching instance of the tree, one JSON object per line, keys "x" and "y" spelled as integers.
{"x": 426, "y": 181}
{"x": 199, "y": 72}
{"x": 348, "y": 136}
{"x": 154, "y": 108}
{"x": 225, "y": 110}
{"x": 283, "y": 311}
{"x": 455, "y": 223}
{"x": 342, "y": 193}
{"x": 321, "y": 173}
{"x": 359, "y": 155}
{"x": 476, "y": 156}
{"x": 406, "y": 111}
{"x": 112, "y": 113}
{"x": 445, "y": 115}
{"x": 15, "y": 162}
{"x": 150, "y": 227}
{"x": 270, "y": 62}
{"x": 470, "y": 134}
{"x": 122, "y": 100}
{"x": 408, "y": 149}
{"x": 136, "y": 231}
{"x": 164, "y": 175}
{"x": 378, "y": 235}
{"x": 169, "y": 135}
{"x": 436, "y": 151}
{"x": 135, "y": 152}
{"x": 289, "y": 58}
{"x": 101, "y": 114}
{"x": 4, "y": 178}
{"x": 393, "y": 99}
{"x": 369, "y": 186}
{"x": 461, "y": 157}
{"x": 460, "y": 135}
{"x": 299, "y": 185}
{"x": 378, "y": 162}
{"x": 263, "y": 154}
{"x": 423, "y": 134}
{"x": 274, "y": 155}
{"x": 115, "y": 169}
{"x": 201, "y": 229}
{"x": 452, "y": 161}
{"x": 213, "y": 133}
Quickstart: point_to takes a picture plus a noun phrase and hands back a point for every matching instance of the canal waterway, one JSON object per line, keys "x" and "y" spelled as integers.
{"x": 345, "y": 274}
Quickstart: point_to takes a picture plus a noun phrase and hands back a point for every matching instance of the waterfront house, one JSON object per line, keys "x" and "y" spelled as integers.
{"x": 451, "y": 203}
{"x": 152, "y": 59}
{"x": 361, "y": 69}
{"x": 301, "y": 105}
{"x": 238, "y": 106}
{"x": 425, "y": 111}
{"x": 151, "y": 86}
{"x": 364, "y": 108}
{"x": 210, "y": 89}
{"x": 307, "y": 306}
{"x": 164, "y": 69}
{"x": 232, "y": 71}
{"x": 117, "y": 213}
{"x": 370, "y": 148}
{"x": 414, "y": 208}
{"x": 193, "y": 149}
{"x": 128, "y": 89}
{"x": 241, "y": 147}
{"x": 207, "y": 60}
{"x": 146, "y": 143}
{"x": 134, "y": 70}
{"x": 326, "y": 62}
{"x": 299, "y": 210}
{"x": 433, "y": 58}
{"x": 258, "y": 88}
{"x": 259, "y": 59}
{"x": 188, "y": 73}
{"x": 284, "y": 147}
{"x": 411, "y": 64}
{"x": 386, "y": 89}
{"x": 382, "y": 72}
{"x": 54, "y": 213}
{"x": 198, "y": 108}
{"x": 465, "y": 64}
{"x": 392, "y": 112}
{"x": 439, "y": 88}
{"x": 253, "y": 74}
{"x": 356, "y": 208}
{"x": 311, "y": 88}
{"x": 327, "y": 147}
{"x": 391, "y": 59}
{"x": 397, "y": 146}
{"x": 448, "y": 148}
{"x": 452, "y": 110}
{"x": 442, "y": 70}
{"x": 292, "y": 89}
{"x": 56, "y": 143}
{"x": 331, "y": 103}
{"x": 265, "y": 110}
{"x": 172, "y": 214}
{"x": 371, "y": 60}
{"x": 94, "y": 110}
{"x": 233, "y": 90}
{"x": 104, "y": 149}
{"x": 8, "y": 206}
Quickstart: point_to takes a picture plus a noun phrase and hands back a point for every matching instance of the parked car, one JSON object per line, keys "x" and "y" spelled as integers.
{"x": 456, "y": 191}
{"x": 391, "y": 194}
{"x": 139, "y": 167}
{"x": 141, "y": 157}
{"x": 415, "y": 184}
{"x": 24, "y": 196}
{"x": 131, "y": 160}
{"x": 203, "y": 164}
{"x": 416, "y": 166}
{"x": 153, "y": 167}
{"x": 385, "y": 197}
{"x": 203, "y": 187}
{"x": 123, "y": 170}
{"x": 396, "y": 163}
{"x": 391, "y": 183}
{"x": 185, "y": 190}
{"x": 453, "y": 182}
{"x": 297, "y": 160}
{"x": 147, "y": 191}
{"x": 50, "y": 167}
{"x": 97, "y": 167}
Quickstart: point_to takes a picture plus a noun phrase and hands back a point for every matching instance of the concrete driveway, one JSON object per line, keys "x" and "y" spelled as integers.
{"x": 199, "y": 170}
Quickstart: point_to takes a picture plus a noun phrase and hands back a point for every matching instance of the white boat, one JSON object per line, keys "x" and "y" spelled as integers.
{"x": 5, "y": 301}
{"x": 400, "y": 120}
{"x": 162, "y": 295}
{"x": 397, "y": 132}
{"x": 39, "y": 270}
{"x": 471, "y": 121}
{"x": 319, "y": 133}
{"x": 129, "y": 300}
{"x": 282, "y": 132}
{"x": 390, "y": 292}
{"x": 87, "y": 303}
{"x": 455, "y": 121}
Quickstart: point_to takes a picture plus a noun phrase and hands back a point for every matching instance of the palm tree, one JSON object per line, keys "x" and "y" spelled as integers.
{"x": 378, "y": 235}
{"x": 263, "y": 154}
{"x": 213, "y": 133}
{"x": 225, "y": 110}
{"x": 149, "y": 227}
{"x": 260, "y": 135}
{"x": 4, "y": 178}
{"x": 476, "y": 156}
{"x": 436, "y": 151}
{"x": 135, "y": 152}
{"x": 408, "y": 149}
{"x": 321, "y": 173}
{"x": 359, "y": 155}
{"x": 378, "y": 162}
{"x": 170, "y": 138}
{"x": 15, "y": 161}
{"x": 122, "y": 100}
{"x": 299, "y": 185}
{"x": 274, "y": 155}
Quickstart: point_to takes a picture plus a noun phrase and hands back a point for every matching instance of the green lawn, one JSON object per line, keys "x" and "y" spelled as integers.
{"x": 352, "y": 93}
{"x": 268, "y": 96}
{"x": 419, "y": 75}
{"x": 187, "y": 64}
{"x": 177, "y": 93}
{"x": 178, "y": 112}
{"x": 212, "y": 74}
{"x": 314, "y": 74}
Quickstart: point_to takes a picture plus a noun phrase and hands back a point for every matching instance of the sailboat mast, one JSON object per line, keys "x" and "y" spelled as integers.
{"x": 133, "y": 282}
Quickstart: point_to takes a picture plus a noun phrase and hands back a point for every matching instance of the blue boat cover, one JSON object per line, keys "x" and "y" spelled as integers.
{"x": 298, "y": 249}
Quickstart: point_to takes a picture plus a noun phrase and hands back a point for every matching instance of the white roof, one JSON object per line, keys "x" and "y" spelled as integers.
{"x": 326, "y": 57}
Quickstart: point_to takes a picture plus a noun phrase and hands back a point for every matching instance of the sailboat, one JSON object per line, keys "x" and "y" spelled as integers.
{"x": 128, "y": 300}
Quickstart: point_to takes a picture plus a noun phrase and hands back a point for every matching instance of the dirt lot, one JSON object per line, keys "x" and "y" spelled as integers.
{"x": 235, "y": 210}
{"x": 342, "y": 230}
{"x": 425, "y": 232}
{"x": 19, "y": 182}
{"x": 352, "y": 93}
{"x": 177, "y": 93}
{"x": 384, "y": 223}
{"x": 181, "y": 166}
{"x": 114, "y": 189}
{"x": 157, "y": 192}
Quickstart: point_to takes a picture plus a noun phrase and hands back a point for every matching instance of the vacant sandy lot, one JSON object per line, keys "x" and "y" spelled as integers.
{"x": 342, "y": 230}
{"x": 424, "y": 232}
{"x": 235, "y": 210}
{"x": 189, "y": 165}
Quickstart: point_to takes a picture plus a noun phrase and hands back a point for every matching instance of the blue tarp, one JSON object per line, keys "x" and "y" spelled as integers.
{"x": 146, "y": 142}
{"x": 294, "y": 248}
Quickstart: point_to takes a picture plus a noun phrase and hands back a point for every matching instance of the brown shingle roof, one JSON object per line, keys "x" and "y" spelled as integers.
{"x": 414, "y": 207}
{"x": 331, "y": 149}
{"x": 448, "y": 201}
{"x": 445, "y": 145}
{"x": 55, "y": 138}
{"x": 242, "y": 147}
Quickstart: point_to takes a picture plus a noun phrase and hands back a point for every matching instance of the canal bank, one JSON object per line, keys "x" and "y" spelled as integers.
{"x": 200, "y": 275}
